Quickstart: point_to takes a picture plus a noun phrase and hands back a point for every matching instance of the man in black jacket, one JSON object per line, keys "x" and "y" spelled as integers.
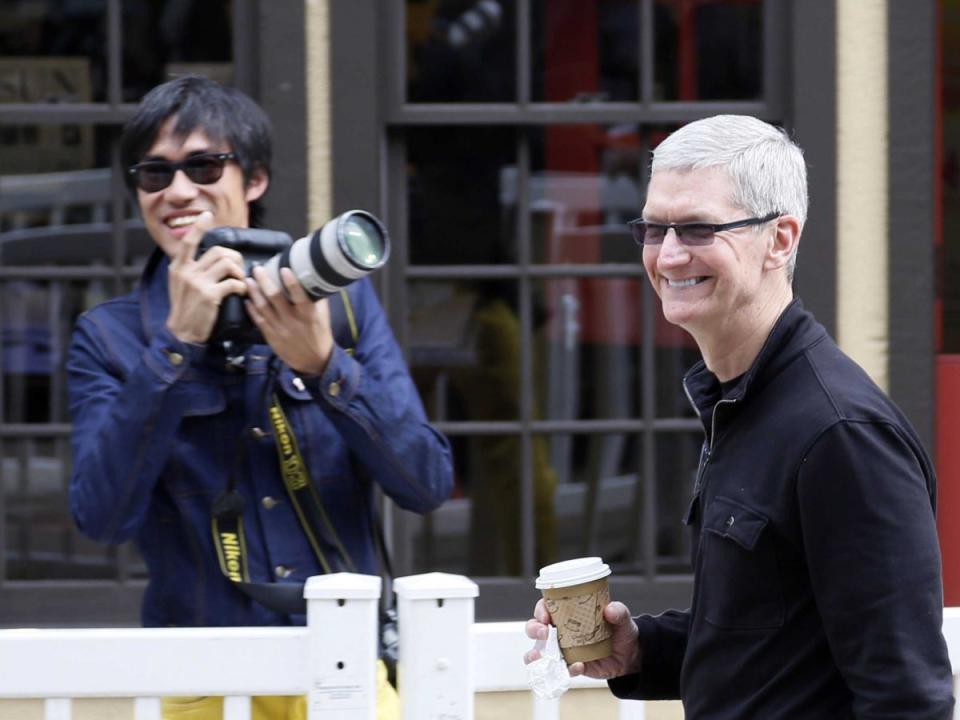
{"x": 817, "y": 586}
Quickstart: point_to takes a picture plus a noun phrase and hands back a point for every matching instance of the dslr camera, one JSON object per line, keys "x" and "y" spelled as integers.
{"x": 345, "y": 249}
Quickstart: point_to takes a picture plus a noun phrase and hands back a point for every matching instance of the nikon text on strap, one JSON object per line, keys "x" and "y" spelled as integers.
{"x": 227, "y": 520}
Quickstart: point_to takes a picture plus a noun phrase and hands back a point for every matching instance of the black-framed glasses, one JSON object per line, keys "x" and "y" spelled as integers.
{"x": 205, "y": 168}
{"x": 697, "y": 234}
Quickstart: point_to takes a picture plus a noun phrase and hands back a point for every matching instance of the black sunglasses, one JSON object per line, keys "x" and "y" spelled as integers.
{"x": 696, "y": 234}
{"x": 154, "y": 175}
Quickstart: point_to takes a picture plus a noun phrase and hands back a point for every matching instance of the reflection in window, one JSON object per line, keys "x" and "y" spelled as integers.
{"x": 949, "y": 258}
{"x": 460, "y": 51}
{"x": 708, "y": 49}
{"x": 52, "y": 51}
{"x": 585, "y": 50}
{"x": 455, "y": 177}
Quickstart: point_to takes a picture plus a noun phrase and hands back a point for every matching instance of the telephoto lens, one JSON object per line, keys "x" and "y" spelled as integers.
{"x": 345, "y": 249}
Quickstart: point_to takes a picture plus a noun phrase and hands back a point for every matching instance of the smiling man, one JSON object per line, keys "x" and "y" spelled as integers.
{"x": 817, "y": 589}
{"x": 173, "y": 433}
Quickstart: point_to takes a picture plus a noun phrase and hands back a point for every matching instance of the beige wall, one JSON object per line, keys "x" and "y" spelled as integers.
{"x": 319, "y": 165}
{"x": 862, "y": 187}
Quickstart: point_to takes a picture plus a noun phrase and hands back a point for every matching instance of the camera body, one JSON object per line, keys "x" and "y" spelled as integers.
{"x": 345, "y": 249}
{"x": 257, "y": 247}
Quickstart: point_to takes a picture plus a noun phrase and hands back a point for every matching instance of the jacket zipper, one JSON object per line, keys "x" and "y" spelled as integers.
{"x": 708, "y": 450}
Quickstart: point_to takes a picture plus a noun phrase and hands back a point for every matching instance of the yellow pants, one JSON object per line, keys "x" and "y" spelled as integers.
{"x": 275, "y": 707}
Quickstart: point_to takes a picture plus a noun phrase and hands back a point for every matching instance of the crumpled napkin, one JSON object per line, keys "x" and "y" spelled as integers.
{"x": 548, "y": 676}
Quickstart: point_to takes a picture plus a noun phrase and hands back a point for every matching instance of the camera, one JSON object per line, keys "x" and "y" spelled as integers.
{"x": 347, "y": 248}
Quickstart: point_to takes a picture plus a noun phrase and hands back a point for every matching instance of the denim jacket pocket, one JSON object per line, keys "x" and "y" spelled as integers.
{"x": 741, "y": 582}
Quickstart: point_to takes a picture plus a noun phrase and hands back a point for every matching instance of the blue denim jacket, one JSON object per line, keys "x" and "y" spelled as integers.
{"x": 159, "y": 424}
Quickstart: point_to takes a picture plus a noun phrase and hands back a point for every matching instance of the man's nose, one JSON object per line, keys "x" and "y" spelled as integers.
{"x": 181, "y": 186}
{"x": 671, "y": 249}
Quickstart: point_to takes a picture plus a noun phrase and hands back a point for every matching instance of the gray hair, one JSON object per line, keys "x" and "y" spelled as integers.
{"x": 767, "y": 168}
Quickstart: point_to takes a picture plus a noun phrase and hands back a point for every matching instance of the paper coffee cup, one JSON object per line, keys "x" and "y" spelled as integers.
{"x": 575, "y": 593}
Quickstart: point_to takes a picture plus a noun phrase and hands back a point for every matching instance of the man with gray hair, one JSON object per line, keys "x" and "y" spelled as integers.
{"x": 817, "y": 586}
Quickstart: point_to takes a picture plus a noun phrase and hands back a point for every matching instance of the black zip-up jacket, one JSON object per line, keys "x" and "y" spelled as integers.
{"x": 817, "y": 586}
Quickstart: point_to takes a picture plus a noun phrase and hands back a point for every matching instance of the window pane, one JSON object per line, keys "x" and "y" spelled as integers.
{"x": 464, "y": 349}
{"x": 54, "y": 51}
{"x": 949, "y": 253}
{"x": 477, "y": 532}
{"x": 585, "y": 50}
{"x": 455, "y": 178}
{"x": 169, "y": 38}
{"x": 41, "y": 542}
{"x": 460, "y": 51}
{"x": 585, "y": 185}
{"x": 596, "y": 492}
{"x": 56, "y": 198}
{"x": 677, "y": 457}
{"x": 708, "y": 51}
{"x": 588, "y": 365}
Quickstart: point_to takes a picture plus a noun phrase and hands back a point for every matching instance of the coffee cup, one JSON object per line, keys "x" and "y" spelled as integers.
{"x": 575, "y": 593}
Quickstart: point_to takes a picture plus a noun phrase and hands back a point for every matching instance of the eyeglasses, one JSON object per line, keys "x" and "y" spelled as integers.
{"x": 154, "y": 175}
{"x": 691, "y": 234}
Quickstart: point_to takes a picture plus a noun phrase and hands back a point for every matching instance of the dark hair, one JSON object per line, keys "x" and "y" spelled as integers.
{"x": 223, "y": 113}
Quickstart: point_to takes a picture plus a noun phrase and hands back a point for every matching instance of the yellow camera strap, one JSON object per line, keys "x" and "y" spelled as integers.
{"x": 306, "y": 501}
{"x": 227, "y": 512}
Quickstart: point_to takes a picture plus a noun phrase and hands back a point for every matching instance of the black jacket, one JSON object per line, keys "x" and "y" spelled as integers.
{"x": 817, "y": 586}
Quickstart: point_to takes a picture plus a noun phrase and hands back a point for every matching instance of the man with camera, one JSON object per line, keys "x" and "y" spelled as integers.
{"x": 817, "y": 590}
{"x": 177, "y": 424}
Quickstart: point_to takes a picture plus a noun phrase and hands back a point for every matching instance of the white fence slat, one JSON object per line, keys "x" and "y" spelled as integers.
{"x": 436, "y": 667}
{"x": 545, "y": 709}
{"x": 342, "y": 618}
{"x": 58, "y": 709}
{"x": 146, "y": 708}
{"x": 152, "y": 662}
{"x": 632, "y": 710}
{"x": 236, "y": 707}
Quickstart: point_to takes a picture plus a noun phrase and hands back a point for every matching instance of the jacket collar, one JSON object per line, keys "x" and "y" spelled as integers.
{"x": 154, "y": 298}
{"x": 795, "y": 330}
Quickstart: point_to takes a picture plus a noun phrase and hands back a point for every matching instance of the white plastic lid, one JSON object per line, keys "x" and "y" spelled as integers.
{"x": 572, "y": 572}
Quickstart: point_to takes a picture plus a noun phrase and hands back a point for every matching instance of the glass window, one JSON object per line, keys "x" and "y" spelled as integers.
{"x": 708, "y": 49}
{"x": 464, "y": 342}
{"x": 460, "y": 51}
{"x": 456, "y": 180}
{"x": 949, "y": 259}
{"x": 585, "y": 50}
{"x": 57, "y": 51}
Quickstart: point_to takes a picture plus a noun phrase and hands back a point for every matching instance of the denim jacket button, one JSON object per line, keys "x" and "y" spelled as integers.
{"x": 334, "y": 389}
{"x": 282, "y": 571}
{"x": 298, "y": 384}
{"x": 269, "y": 503}
{"x": 175, "y": 358}
{"x": 258, "y": 433}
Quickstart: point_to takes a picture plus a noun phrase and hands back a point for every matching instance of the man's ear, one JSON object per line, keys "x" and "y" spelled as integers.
{"x": 783, "y": 243}
{"x": 259, "y": 182}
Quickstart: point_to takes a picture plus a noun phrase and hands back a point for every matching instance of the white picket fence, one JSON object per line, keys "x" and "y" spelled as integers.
{"x": 445, "y": 657}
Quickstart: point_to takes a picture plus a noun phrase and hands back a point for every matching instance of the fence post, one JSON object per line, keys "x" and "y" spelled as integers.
{"x": 342, "y": 621}
{"x": 435, "y": 669}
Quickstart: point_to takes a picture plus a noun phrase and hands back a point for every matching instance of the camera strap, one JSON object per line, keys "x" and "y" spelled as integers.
{"x": 227, "y": 511}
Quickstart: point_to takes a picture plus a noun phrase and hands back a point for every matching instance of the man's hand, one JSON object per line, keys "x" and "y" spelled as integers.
{"x": 623, "y": 660}
{"x": 198, "y": 286}
{"x": 296, "y": 327}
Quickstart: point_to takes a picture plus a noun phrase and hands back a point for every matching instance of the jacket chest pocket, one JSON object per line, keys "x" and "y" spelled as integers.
{"x": 740, "y": 579}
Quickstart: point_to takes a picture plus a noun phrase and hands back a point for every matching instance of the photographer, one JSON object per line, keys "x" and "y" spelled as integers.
{"x": 168, "y": 423}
